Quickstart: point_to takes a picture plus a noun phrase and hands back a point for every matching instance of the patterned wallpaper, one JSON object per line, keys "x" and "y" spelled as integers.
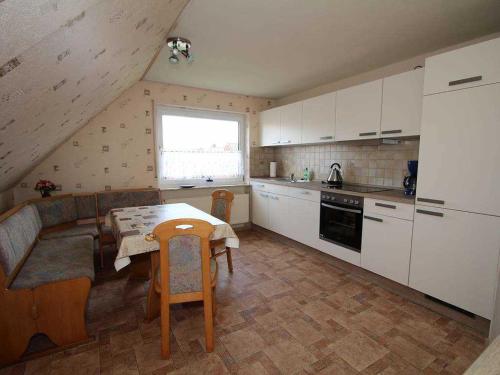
{"x": 116, "y": 149}
{"x": 62, "y": 62}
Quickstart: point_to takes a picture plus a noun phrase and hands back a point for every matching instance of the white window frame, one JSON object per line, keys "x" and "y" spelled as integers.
{"x": 161, "y": 110}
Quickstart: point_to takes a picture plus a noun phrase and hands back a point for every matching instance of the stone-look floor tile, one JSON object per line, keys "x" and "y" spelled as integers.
{"x": 83, "y": 363}
{"x": 410, "y": 352}
{"x": 289, "y": 356}
{"x": 359, "y": 350}
{"x": 285, "y": 309}
{"x": 243, "y": 343}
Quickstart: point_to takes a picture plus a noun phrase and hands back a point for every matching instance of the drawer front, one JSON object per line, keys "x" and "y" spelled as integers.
{"x": 310, "y": 195}
{"x": 260, "y": 186}
{"x": 466, "y": 67}
{"x": 277, "y": 189}
{"x": 388, "y": 208}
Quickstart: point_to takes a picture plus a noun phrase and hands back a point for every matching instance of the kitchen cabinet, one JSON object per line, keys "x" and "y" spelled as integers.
{"x": 358, "y": 111}
{"x": 455, "y": 257}
{"x": 303, "y": 221}
{"x": 386, "y": 246}
{"x": 270, "y": 127}
{"x": 474, "y": 65}
{"x": 260, "y": 208}
{"x": 318, "y": 119}
{"x": 278, "y": 214}
{"x": 459, "y": 152}
{"x": 402, "y": 104}
{"x": 291, "y": 123}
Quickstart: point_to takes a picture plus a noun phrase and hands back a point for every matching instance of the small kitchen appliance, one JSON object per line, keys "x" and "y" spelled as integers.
{"x": 410, "y": 182}
{"x": 335, "y": 177}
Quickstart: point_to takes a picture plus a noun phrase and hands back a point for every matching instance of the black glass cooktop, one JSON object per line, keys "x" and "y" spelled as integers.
{"x": 356, "y": 188}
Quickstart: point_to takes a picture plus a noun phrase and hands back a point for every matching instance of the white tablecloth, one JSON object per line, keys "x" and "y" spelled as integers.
{"x": 130, "y": 226}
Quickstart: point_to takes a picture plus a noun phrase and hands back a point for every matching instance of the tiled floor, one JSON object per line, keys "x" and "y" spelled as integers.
{"x": 285, "y": 310}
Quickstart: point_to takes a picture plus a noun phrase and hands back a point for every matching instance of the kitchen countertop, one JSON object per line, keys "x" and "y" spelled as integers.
{"x": 393, "y": 195}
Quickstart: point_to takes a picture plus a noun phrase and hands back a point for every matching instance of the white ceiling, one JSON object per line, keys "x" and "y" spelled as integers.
{"x": 64, "y": 61}
{"x": 280, "y": 47}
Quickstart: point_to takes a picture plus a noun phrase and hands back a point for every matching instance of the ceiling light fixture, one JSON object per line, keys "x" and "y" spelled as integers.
{"x": 179, "y": 46}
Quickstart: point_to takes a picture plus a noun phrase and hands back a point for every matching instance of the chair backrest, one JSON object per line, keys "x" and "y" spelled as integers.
{"x": 222, "y": 201}
{"x": 19, "y": 229}
{"x": 184, "y": 255}
{"x": 56, "y": 210}
{"x": 107, "y": 200}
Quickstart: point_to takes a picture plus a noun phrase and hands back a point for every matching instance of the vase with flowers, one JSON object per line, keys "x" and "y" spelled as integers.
{"x": 45, "y": 187}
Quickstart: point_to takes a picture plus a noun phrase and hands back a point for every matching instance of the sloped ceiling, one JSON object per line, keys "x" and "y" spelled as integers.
{"x": 62, "y": 62}
{"x": 280, "y": 47}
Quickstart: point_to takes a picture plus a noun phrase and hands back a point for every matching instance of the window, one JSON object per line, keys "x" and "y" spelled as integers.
{"x": 194, "y": 145}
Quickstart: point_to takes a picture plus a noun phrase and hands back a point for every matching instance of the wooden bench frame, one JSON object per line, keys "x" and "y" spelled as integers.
{"x": 56, "y": 309}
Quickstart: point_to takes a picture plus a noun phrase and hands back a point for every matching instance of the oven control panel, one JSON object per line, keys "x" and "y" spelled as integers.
{"x": 344, "y": 199}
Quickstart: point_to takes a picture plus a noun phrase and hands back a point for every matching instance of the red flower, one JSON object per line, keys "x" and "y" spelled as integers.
{"x": 45, "y": 185}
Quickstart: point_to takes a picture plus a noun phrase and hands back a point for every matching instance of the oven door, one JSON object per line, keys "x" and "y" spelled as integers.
{"x": 341, "y": 225}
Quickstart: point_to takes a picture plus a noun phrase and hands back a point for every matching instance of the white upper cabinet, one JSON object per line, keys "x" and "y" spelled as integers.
{"x": 459, "y": 151}
{"x": 470, "y": 66}
{"x": 270, "y": 124}
{"x": 318, "y": 119}
{"x": 402, "y": 104}
{"x": 358, "y": 112}
{"x": 291, "y": 123}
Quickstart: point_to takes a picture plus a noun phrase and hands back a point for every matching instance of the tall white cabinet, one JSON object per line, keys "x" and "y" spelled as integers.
{"x": 456, "y": 233}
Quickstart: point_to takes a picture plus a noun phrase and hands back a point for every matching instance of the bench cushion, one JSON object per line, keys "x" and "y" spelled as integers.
{"x": 55, "y": 260}
{"x": 56, "y": 211}
{"x": 77, "y": 230}
{"x": 17, "y": 233}
{"x": 107, "y": 200}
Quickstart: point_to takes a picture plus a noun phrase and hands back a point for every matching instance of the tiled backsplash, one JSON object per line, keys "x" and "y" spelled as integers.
{"x": 260, "y": 157}
{"x": 368, "y": 162}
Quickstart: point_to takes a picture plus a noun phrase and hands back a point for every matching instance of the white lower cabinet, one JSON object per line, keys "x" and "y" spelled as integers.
{"x": 260, "y": 208}
{"x": 303, "y": 221}
{"x": 278, "y": 214}
{"x": 455, "y": 257}
{"x": 386, "y": 246}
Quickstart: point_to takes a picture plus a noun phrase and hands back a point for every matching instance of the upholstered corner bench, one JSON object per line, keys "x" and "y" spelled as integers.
{"x": 45, "y": 281}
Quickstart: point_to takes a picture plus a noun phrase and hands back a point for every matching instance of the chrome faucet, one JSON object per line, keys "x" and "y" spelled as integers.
{"x": 292, "y": 177}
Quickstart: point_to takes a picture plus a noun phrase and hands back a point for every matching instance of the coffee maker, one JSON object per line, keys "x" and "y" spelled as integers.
{"x": 410, "y": 182}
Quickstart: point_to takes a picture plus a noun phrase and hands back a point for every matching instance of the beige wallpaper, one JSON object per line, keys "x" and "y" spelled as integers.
{"x": 116, "y": 150}
{"x": 367, "y": 162}
{"x": 62, "y": 62}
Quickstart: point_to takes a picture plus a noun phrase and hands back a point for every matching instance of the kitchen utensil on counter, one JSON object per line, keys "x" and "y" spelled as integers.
{"x": 335, "y": 177}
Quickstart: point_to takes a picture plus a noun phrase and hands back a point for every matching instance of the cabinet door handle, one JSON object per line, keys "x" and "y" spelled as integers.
{"x": 385, "y": 205}
{"x": 289, "y": 141}
{"x": 367, "y": 133}
{"x": 264, "y": 195}
{"x": 305, "y": 192}
{"x": 432, "y": 213}
{"x": 428, "y": 200}
{"x": 325, "y": 137}
{"x": 397, "y": 131}
{"x": 373, "y": 218}
{"x": 276, "y": 143}
{"x": 465, "y": 80}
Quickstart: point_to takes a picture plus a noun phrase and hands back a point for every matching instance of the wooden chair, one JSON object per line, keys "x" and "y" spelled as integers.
{"x": 222, "y": 201}
{"x": 186, "y": 273}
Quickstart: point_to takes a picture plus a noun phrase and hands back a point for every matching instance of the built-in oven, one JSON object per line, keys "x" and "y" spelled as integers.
{"x": 341, "y": 220}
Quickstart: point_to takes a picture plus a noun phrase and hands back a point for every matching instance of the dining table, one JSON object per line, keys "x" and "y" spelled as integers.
{"x": 132, "y": 228}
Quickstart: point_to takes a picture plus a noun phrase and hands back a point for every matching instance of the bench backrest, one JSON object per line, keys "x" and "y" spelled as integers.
{"x": 56, "y": 210}
{"x": 19, "y": 230}
{"x": 107, "y": 200}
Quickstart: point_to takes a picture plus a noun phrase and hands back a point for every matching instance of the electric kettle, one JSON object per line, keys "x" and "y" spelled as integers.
{"x": 335, "y": 177}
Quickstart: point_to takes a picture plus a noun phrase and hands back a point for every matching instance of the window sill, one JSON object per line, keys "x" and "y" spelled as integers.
{"x": 205, "y": 186}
